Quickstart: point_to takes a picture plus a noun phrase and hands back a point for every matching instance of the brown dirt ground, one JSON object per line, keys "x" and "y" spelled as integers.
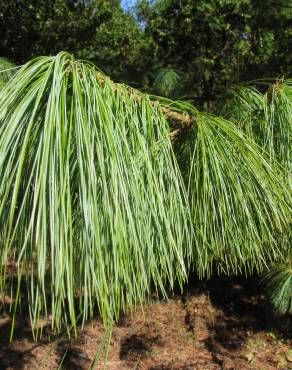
{"x": 214, "y": 325}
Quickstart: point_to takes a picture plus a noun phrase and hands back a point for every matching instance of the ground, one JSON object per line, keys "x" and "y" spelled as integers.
{"x": 221, "y": 324}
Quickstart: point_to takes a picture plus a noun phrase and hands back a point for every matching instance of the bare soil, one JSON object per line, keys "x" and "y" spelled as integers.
{"x": 221, "y": 324}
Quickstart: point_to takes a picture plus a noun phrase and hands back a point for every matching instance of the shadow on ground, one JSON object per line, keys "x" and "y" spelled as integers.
{"x": 219, "y": 324}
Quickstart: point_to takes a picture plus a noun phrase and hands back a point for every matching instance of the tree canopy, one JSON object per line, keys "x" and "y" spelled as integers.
{"x": 217, "y": 43}
{"x": 212, "y": 43}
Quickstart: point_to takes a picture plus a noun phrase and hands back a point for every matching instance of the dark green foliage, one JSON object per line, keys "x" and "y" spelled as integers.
{"x": 98, "y": 30}
{"x": 214, "y": 43}
{"x": 218, "y": 43}
{"x": 39, "y": 27}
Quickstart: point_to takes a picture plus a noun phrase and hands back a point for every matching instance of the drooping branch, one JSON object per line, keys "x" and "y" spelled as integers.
{"x": 82, "y": 186}
{"x": 183, "y": 119}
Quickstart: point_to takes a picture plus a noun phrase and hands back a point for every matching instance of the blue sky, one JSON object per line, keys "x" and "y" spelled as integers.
{"x": 126, "y": 4}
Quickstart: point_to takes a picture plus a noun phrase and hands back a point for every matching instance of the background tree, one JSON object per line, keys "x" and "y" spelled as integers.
{"x": 213, "y": 43}
{"x": 98, "y": 30}
{"x": 219, "y": 42}
{"x": 31, "y": 28}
